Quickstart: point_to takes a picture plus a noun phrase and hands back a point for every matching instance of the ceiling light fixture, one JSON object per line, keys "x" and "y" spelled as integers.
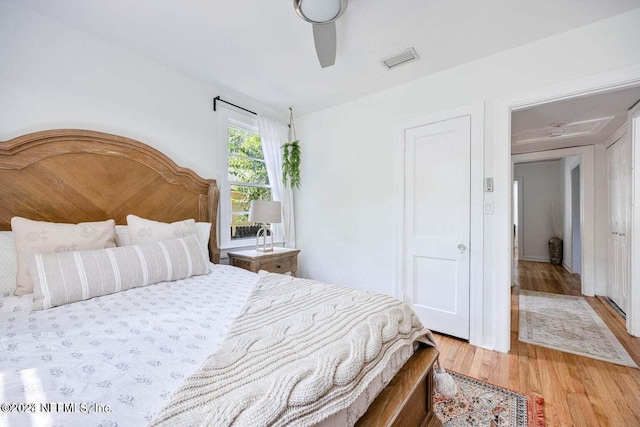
{"x": 322, "y": 14}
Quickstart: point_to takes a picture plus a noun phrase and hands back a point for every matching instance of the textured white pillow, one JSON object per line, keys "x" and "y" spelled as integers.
{"x": 39, "y": 237}
{"x": 203, "y": 231}
{"x": 122, "y": 235}
{"x": 63, "y": 278}
{"x": 140, "y": 230}
{"x": 8, "y": 264}
{"x": 143, "y": 230}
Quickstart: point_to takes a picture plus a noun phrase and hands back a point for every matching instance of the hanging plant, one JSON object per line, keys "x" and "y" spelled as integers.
{"x": 291, "y": 157}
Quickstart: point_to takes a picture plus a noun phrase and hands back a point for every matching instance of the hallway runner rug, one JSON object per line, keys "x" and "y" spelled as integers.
{"x": 478, "y": 403}
{"x": 569, "y": 324}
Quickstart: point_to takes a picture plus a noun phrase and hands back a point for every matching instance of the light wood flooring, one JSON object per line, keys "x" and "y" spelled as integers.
{"x": 578, "y": 391}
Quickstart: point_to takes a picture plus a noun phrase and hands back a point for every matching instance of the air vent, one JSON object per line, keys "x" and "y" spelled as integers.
{"x": 402, "y": 58}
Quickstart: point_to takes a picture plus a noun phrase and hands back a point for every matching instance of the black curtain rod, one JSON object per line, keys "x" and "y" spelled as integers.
{"x": 217, "y": 98}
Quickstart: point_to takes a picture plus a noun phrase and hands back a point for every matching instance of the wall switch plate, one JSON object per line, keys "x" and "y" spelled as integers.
{"x": 488, "y": 207}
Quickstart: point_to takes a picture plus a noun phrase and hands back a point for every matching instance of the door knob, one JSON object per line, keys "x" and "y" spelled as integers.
{"x": 462, "y": 247}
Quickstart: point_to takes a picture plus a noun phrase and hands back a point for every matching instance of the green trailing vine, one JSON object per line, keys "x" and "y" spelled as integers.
{"x": 291, "y": 157}
{"x": 291, "y": 164}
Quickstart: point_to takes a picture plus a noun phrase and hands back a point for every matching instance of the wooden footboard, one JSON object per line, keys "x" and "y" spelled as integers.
{"x": 408, "y": 399}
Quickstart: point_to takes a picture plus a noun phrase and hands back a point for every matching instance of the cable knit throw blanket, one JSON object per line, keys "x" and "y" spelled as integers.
{"x": 299, "y": 352}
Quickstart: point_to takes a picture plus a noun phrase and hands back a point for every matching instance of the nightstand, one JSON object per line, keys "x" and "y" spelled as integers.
{"x": 280, "y": 260}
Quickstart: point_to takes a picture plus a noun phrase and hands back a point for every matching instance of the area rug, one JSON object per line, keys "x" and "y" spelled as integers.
{"x": 478, "y": 403}
{"x": 569, "y": 324}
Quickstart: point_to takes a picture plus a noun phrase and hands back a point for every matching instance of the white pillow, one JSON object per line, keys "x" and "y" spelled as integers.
{"x": 122, "y": 235}
{"x": 63, "y": 278}
{"x": 203, "y": 232}
{"x": 8, "y": 264}
{"x": 143, "y": 230}
{"x": 40, "y": 237}
{"x": 140, "y": 230}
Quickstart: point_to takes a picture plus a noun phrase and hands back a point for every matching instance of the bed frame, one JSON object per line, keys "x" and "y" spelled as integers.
{"x": 70, "y": 175}
{"x": 79, "y": 175}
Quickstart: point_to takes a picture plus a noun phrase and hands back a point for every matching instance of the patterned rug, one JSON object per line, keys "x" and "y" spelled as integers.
{"x": 569, "y": 324}
{"x": 478, "y": 403}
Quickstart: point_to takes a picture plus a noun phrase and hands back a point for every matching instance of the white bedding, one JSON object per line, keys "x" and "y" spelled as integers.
{"x": 128, "y": 350}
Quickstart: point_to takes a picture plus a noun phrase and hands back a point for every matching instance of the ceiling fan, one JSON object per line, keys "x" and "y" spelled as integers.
{"x": 323, "y": 15}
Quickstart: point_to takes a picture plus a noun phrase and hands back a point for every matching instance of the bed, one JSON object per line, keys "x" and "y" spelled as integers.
{"x": 128, "y": 352}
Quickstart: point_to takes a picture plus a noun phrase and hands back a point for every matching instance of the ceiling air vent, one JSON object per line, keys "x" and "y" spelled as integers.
{"x": 402, "y": 58}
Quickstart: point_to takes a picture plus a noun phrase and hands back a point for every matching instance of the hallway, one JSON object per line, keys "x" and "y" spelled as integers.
{"x": 555, "y": 279}
{"x": 578, "y": 391}
{"x": 545, "y": 277}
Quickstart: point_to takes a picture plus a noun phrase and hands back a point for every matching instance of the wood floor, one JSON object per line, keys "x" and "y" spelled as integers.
{"x": 578, "y": 391}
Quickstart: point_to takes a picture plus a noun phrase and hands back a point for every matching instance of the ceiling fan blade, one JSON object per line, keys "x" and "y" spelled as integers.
{"x": 324, "y": 37}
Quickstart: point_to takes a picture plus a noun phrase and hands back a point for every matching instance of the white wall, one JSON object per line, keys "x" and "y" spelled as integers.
{"x": 568, "y": 164}
{"x": 345, "y": 210}
{"x": 544, "y": 209}
{"x": 52, "y": 76}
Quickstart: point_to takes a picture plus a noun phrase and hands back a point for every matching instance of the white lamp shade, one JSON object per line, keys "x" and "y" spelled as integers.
{"x": 265, "y": 212}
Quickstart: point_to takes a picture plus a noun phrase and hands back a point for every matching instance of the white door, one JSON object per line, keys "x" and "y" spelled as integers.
{"x": 437, "y": 224}
{"x": 618, "y": 263}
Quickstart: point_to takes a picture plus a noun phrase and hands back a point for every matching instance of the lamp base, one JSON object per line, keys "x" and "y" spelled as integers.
{"x": 263, "y": 234}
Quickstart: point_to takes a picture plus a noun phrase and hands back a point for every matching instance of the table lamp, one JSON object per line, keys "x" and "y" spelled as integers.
{"x": 265, "y": 213}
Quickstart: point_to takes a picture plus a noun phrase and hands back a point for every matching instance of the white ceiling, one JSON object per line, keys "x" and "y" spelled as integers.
{"x": 531, "y": 122}
{"x": 265, "y": 51}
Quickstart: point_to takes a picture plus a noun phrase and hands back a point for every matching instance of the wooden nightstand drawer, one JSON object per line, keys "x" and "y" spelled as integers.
{"x": 281, "y": 266}
{"x": 280, "y": 260}
{"x": 244, "y": 264}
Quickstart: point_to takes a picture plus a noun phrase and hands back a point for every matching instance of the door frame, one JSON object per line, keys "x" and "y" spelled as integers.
{"x": 476, "y": 243}
{"x": 587, "y": 205}
{"x": 633, "y": 314}
{"x": 572, "y": 216}
{"x": 603, "y": 82}
{"x": 520, "y": 236}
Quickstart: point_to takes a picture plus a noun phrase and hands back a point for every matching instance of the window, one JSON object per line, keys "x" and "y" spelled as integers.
{"x": 248, "y": 178}
{"x": 245, "y": 179}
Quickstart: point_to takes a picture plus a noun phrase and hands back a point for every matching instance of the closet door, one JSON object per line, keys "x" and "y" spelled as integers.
{"x": 618, "y": 262}
{"x": 624, "y": 223}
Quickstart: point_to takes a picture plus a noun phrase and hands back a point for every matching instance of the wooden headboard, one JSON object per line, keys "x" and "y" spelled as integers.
{"x": 70, "y": 175}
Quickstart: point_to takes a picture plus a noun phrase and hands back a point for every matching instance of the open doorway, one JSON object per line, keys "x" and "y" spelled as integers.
{"x": 626, "y": 78}
{"x": 517, "y": 216}
{"x": 564, "y": 225}
{"x": 546, "y": 214}
{"x": 541, "y": 196}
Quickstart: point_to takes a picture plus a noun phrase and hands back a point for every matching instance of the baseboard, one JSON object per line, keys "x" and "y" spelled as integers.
{"x": 566, "y": 267}
{"x": 535, "y": 259}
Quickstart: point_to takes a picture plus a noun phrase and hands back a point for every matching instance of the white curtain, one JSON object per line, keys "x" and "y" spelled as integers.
{"x": 273, "y": 135}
